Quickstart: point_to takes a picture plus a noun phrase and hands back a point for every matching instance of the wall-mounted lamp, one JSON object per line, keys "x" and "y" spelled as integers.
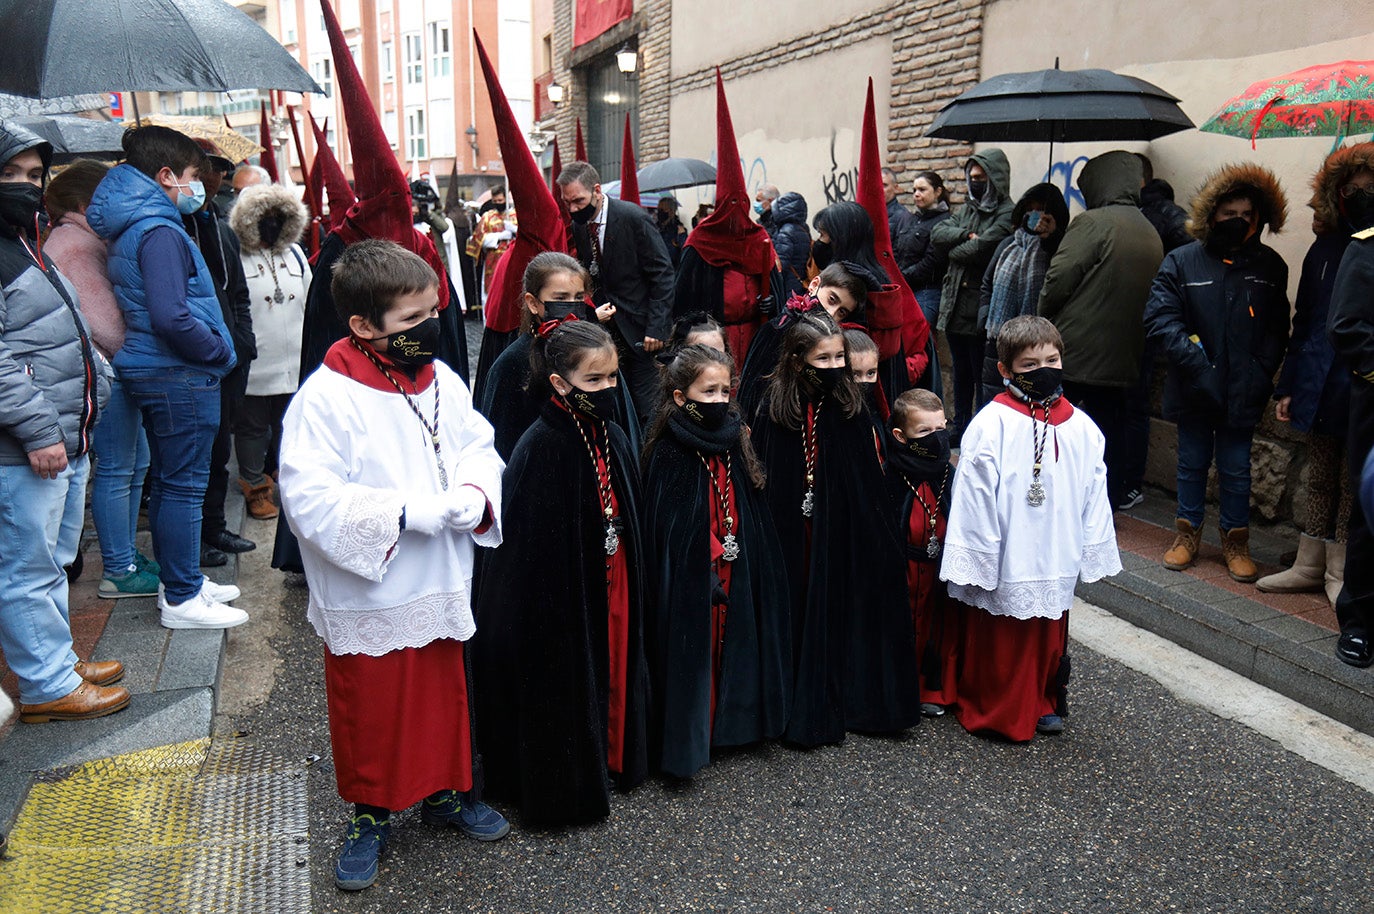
{"x": 626, "y": 59}
{"x": 471, "y": 134}
{"x": 555, "y": 93}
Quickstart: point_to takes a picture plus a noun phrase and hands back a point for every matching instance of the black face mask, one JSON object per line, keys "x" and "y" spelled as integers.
{"x": 976, "y": 189}
{"x": 709, "y": 416}
{"x": 1358, "y": 209}
{"x": 867, "y": 389}
{"x": 557, "y": 310}
{"x": 584, "y": 215}
{"x": 823, "y": 379}
{"x": 1038, "y": 385}
{"x": 269, "y": 230}
{"x": 1228, "y": 234}
{"x": 926, "y": 457}
{"x": 821, "y": 253}
{"x": 19, "y": 204}
{"x": 602, "y": 405}
{"x": 414, "y": 347}
{"x": 932, "y": 446}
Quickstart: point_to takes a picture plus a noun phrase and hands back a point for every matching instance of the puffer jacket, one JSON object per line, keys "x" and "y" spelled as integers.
{"x": 52, "y": 380}
{"x": 126, "y": 206}
{"x": 791, "y": 239}
{"x": 921, "y": 261}
{"x": 1169, "y": 219}
{"x": 1097, "y": 282}
{"x": 990, "y": 219}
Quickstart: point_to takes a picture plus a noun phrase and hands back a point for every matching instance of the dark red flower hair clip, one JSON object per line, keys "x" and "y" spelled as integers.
{"x": 550, "y": 326}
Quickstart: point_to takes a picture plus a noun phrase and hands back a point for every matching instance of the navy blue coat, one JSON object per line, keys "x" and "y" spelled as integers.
{"x": 791, "y": 240}
{"x": 1313, "y": 375}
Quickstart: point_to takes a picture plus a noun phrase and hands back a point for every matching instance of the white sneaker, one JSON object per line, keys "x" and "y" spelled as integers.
{"x": 199, "y": 612}
{"x": 217, "y": 593}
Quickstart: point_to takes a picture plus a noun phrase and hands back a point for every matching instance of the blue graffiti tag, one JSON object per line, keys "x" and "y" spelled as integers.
{"x": 1064, "y": 175}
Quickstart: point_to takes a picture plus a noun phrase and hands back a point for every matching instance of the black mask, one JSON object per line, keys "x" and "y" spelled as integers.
{"x": 415, "y": 346}
{"x": 867, "y": 389}
{"x": 269, "y": 230}
{"x": 1228, "y": 234}
{"x": 926, "y": 457}
{"x": 823, "y": 379}
{"x": 602, "y": 405}
{"x": 1038, "y": 385}
{"x": 1358, "y": 209}
{"x": 932, "y": 446}
{"x": 19, "y": 204}
{"x": 821, "y": 253}
{"x": 710, "y": 416}
{"x": 557, "y": 310}
{"x": 584, "y": 215}
{"x": 977, "y": 188}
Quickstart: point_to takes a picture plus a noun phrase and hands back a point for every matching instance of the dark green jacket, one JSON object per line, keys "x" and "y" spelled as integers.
{"x": 1099, "y": 279}
{"x": 989, "y": 219}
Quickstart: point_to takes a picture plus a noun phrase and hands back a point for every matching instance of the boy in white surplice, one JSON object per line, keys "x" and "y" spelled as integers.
{"x": 1028, "y": 517}
{"x": 388, "y": 476}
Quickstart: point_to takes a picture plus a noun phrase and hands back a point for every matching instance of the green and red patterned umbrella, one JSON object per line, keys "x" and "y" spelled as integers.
{"x": 1335, "y": 99}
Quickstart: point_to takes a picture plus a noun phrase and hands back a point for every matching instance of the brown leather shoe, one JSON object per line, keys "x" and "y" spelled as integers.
{"x": 1184, "y": 550}
{"x": 82, "y": 703}
{"x": 100, "y": 672}
{"x": 1235, "y": 550}
{"x": 261, "y": 499}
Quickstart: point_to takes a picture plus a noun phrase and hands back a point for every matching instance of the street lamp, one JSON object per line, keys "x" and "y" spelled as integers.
{"x": 471, "y": 134}
{"x": 555, "y": 93}
{"x": 626, "y": 59}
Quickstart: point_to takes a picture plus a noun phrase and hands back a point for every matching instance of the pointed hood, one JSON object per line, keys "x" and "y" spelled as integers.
{"x": 331, "y": 176}
{"x": 268, "y": 157}
{"x": 581, "y": 148}
{"x": 729, "y": 237}
{"x": 629, "y": 175}
{"x": 895, "y": 320}
{"x": 558, "y": 194}
{"x": 382, "y": 209}
{"x": 541, "y": 224}
{"x": 312, "y": 203}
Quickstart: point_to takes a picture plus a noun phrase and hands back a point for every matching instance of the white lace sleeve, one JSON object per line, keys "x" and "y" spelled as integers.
{"x": 973, "y": 538}
{"x": 1100, "y": 558}
{"x": 963, "y": 565}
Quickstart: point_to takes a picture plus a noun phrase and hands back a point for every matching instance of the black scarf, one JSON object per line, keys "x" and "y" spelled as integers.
{"x": 696, "y": 436}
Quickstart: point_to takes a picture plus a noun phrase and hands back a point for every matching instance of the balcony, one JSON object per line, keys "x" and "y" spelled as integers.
{"x": 542, "y": 106}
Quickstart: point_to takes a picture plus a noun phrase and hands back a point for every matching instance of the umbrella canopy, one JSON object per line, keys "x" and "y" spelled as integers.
{"x": 670, "y": 173}
{"x": 77, "y": 137}
{"x": 1060, "y": 106}
{"x": 231, "y": 144}
{"x": 647, "y": 199}
{"x": 1332, "y": 99}
{"x": 68, "y": 47}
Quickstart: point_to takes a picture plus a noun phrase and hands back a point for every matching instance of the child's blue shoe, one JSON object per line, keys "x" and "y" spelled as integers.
{"x": 1050, "y": 724}
{"x": 473, "y": 817}
{"x": 356, "y": 868}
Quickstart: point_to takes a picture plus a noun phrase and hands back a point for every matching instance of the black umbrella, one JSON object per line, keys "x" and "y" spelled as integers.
{"x": 77, "y": 137}
{"x": 1060, "y": 106}
{"x": 69, "y": 47}
{"x": 671, "y": 173}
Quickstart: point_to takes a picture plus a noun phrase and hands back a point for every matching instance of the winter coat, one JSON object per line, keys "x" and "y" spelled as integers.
{"x": 989, "y": 219}
{"x": 220, "y": 247}
{"x": 1312, "y": 375}
{"x": 921, "y": 261}
{"x": 52, "y": 380}
{"x": 1098, "y": 280}
{"x": 83, "y": 257}
{"x": 791, "y": 239}
{"x": 1169, "y": 219}
{"x": 126, "y": 206}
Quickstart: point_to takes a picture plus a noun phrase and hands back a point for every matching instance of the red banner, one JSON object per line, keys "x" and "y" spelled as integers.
{"x": 596, "y": 16}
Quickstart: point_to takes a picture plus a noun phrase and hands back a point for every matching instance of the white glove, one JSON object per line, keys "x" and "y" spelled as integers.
{"x": 467, "y": 509}
{"x": 428, "y": 516}
{"x": 510, "y": 229}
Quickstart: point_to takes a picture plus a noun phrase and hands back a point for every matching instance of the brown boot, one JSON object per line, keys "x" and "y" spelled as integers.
{"x": 1306, "y": 574}
{"x": 100, "y": 672}
{"x": 261, "y": 503}
{"x": 1183, "y": 552}
{"x": 1235, "y": 550}
{"x": 82, "y": 703}
{"x": 1335, "y": 570}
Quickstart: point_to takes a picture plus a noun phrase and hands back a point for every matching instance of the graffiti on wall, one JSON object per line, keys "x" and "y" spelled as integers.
{"x": 1064, "y": 175}
{"x": 839, "y": 185}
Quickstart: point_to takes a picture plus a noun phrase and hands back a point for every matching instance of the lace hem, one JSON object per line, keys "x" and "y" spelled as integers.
{"x": 381, "y": 630}
{"x": 1022, "y": 600}
{"x": 1100, "y": 560}
{"x": 962, "y": 565}
{"x": 366, "y": 537}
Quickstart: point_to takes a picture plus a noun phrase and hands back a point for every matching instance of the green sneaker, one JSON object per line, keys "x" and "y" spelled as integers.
{"x": 143, "y": 563}
{"x": 135, "y": 583}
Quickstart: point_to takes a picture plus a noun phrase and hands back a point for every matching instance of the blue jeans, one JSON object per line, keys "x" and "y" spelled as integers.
{"x": 121, "y": 462}
{"x": 1197, "y": 441}
{"x": 40, "y": 525}
{"x": 180, "y": 408}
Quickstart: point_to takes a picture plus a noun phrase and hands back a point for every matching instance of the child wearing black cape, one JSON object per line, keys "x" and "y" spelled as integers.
{"x": 560, "y": 604}
{"x": 721, "y": 647}
{"x": 854, "y": 653}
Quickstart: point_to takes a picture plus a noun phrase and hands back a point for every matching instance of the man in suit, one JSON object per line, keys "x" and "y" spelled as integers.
{"x": 621, "y": 247}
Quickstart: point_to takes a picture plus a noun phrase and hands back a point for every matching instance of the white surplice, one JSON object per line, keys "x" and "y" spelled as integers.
{"x": 352, "y": 458}
{"x": 1007, "y": 557}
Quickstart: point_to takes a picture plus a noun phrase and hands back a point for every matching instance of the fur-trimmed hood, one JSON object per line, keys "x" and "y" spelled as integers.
{"x": 1335, "y": 171}
{"x": 1228, "y": 178}
{"x": 258, "y": 200}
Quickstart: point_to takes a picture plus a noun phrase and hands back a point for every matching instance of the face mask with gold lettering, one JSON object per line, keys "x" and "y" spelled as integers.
{"x": 415, "y": 346}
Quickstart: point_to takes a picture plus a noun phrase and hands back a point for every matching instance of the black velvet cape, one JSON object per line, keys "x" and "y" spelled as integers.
{"x": 494, "y": 344}
{"x": 903, "y": 502}
{"x": 701, "y": 287}
{"x": 755, "y": 683}
{"x": 540, "y": 655}
{"x": 853, "y": 647}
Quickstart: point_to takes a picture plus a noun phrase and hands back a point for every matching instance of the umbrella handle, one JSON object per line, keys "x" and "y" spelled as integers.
{"x": 1259, "y": 118}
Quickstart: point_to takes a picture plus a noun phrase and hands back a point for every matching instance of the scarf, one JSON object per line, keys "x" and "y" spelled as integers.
{"x": 1016, "y": 280}
{"x": 698, "y": 437}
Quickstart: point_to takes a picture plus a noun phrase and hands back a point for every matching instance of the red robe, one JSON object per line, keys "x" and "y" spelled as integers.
{"x": 932, "y": 612}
